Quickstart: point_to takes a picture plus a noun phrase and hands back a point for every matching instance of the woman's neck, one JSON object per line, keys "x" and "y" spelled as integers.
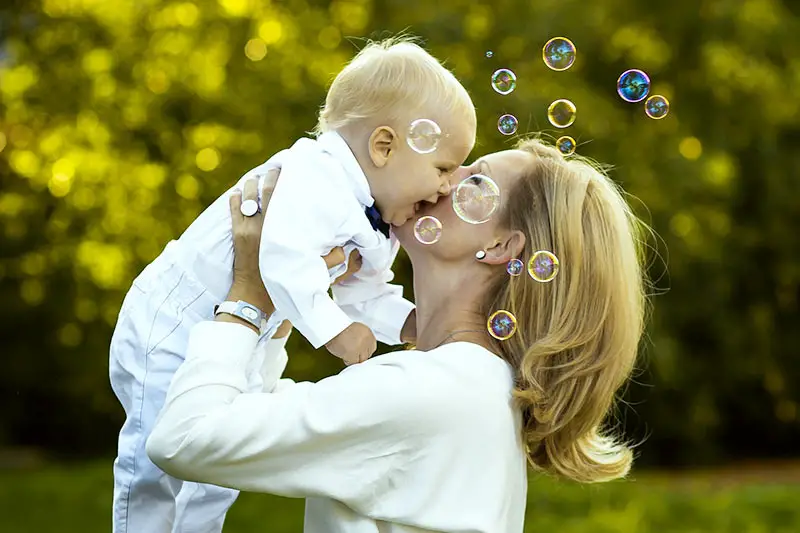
{"x": 448, "y": 309}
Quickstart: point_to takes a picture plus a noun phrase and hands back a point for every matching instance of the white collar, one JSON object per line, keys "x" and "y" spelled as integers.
{"x": 333, "y": 143}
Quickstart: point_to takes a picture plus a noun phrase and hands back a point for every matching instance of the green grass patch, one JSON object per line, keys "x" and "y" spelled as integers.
{"x": 77, "y": 499}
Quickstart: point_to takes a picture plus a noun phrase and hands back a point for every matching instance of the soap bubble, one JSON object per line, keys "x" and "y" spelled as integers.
{"x": 476, "y": 199}
{"x": 566, "y": 145}
{"x": 489, "y": 53}
{"x": 507, "y": 124}
{"x": 543, "y": 266}
{"x": 428, "y": 230}
{"x": 514, "y": 267}
{"x": 633, "y": 85}
{"x": 502, "y": 325}
{"x": 559, "y": 53}
{"x": 561, "y": 113}
{"x": 656, "y": 107}
{"x": 424, "y": 135}
{"x": 504, "y": 81}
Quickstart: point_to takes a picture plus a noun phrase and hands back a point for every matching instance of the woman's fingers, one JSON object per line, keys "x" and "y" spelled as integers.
{"x": 250, "y": 190}
{"x": 335, "y": 257}
{"x": 353, "y": 266}
{"x": 269, "y": 187}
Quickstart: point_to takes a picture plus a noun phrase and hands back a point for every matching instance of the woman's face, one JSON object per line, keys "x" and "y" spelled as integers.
{"x": 460, "y": 239}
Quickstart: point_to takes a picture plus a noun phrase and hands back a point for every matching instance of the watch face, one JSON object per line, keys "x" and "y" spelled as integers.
{"x": 250, "y": 313}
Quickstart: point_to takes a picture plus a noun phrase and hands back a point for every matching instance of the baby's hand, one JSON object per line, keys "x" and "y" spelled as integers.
{"x": 355, "y": 344}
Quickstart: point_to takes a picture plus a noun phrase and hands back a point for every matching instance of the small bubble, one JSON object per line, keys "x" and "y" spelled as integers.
{"x": 558, "y": 53}
{"x": 424, "y": 135}
{"x": 561, "y": 113}
{"x": 476, "y": 199}
{"x": 428, "y": 230}
{"x": 633, "y": 85}
{"x": 489, "y": 53}
{"x": 656, "y": 107}
{"x": 543, "y": 266}
{"x": 566, "y": 145}
{"x": 504, "y": 81}
{"x": 507, "y": 124}
{"x": 515, "y": 267}
{"x": 502, "y": 325}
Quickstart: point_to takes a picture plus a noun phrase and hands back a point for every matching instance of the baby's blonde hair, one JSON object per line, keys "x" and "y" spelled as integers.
{"x": 392, "y": 79}
{"x": 577, "y": 336}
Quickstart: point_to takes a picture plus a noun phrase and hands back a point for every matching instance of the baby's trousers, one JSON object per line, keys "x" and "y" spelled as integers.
{"x": 148, "y": 346}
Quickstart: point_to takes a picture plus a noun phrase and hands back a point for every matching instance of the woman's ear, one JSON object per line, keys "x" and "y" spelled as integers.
{"x": 382, "y": 143}
{"x": 505, "y": 248}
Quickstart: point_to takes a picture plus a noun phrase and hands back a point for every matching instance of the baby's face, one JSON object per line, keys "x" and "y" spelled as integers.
{"x": 418, "y": 178}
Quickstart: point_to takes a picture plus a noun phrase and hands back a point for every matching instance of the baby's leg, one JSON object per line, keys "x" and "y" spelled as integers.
{"x": 148, "y": 346}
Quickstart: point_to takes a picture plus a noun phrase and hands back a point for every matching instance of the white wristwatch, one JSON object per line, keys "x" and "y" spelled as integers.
{"x": 247, "y": 312}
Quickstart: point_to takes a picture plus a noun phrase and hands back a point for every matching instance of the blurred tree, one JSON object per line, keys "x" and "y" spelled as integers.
{"x": 120, "y": 121}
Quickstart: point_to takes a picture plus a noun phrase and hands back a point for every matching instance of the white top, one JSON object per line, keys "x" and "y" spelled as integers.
{"x": 317, "y": 205}
{"x": 404, "y": 442}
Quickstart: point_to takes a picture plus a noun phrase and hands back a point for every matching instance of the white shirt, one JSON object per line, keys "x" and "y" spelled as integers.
{"x": 405, "y": 442}
{"x": 317, "y": 205}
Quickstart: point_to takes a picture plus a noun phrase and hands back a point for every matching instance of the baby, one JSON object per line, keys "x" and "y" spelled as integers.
{"x": 346, "y": 188}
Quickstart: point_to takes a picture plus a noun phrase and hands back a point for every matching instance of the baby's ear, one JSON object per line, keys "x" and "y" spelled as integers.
{"x": 382, "y": 143}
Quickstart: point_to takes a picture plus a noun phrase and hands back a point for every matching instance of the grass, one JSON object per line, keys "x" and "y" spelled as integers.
{"x": 71, "y": 499}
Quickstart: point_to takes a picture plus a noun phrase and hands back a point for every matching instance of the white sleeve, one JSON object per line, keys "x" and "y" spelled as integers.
{"x": 274, "y": 364}
{"x": 339, "y": 438}
{"x": 372, "y": 300}
{"x": 302, "y": 219}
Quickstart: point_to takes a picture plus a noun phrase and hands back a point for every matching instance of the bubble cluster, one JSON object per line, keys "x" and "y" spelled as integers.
{"x": 504, "y": 81}
{"x": 566, "y": 145}
{"x": 476, "y": 199}
{"x": 514, "y": 267}
{"x": 507, "y": 124}
{"x": 502, "y": 325}
{"x": 633, "y": 85}
{"x": 656, "y": 107}
{"x": 428, "y": 230}
{"x": 561, "y": 113}
{"x": 559, "y": 53}
{"x": 489, "y": 53}
{"x": 424, "y": 135}
{"x": 543, "y": 266}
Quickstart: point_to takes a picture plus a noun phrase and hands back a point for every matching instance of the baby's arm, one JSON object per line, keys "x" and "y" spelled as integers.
{"x": 302, "y": 219}
{"x": 371, "y": 299}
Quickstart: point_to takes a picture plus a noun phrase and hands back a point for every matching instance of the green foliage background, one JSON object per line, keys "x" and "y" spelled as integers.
{"x": 120, "y": 121}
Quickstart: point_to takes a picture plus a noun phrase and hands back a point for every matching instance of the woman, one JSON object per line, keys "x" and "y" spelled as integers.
{"x": 436, "y": 439}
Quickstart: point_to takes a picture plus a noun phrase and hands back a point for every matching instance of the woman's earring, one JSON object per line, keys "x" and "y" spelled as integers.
{"x": 480, "y": 254}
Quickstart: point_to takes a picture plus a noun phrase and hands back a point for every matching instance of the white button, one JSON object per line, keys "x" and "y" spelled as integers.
{"x": 250, "y": 313}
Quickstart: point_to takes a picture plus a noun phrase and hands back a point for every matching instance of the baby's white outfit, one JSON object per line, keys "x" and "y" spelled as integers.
{"x": 317, "y": 205}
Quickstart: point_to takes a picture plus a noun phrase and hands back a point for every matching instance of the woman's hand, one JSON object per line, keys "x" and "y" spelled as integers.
{"x": 247, "y": 284}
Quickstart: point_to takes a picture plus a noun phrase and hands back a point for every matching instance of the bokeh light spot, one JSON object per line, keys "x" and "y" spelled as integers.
{"x": 691, "y": 148}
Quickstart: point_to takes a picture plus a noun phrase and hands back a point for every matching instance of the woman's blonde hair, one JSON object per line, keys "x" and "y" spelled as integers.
{"x": 391, "y": 79}
{"x": 577, "y": 336}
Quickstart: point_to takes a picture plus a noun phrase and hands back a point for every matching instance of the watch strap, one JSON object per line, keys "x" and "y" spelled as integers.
{"x": 243, "y": 310}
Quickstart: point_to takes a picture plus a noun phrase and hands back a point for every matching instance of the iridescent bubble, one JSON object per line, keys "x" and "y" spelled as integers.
{"x": 514, "y": 267}
{"x": 428, "y": 230}
{"x": 543, "y": 266}
{"x": 502, "y": 325}
{"x": 559, "y": 53}
{"x": 656, "y": 107}
{"x": 424, "y": 135}
{"x": 507, "y": 124}
{"x": 504, "y": 81}
{"x": 566, "y": 145}
{"x": 476, "y": 199}
{"x": 561, "y": 113}
{"x": 633, "y": 85}
{"x": 489, "y": 53}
